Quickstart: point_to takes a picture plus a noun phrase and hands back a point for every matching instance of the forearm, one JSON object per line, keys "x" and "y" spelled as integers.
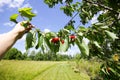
{"x": 6, "y": 41}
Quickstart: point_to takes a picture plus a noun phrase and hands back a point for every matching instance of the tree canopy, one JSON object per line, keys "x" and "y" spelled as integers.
{"x": 103, "y": 36}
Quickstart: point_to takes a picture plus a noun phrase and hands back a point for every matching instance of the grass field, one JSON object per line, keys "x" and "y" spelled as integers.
{"x": 40, "y": 70}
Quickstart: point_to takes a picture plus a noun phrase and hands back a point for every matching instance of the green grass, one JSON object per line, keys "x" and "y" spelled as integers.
{"x": 40, "y": 70}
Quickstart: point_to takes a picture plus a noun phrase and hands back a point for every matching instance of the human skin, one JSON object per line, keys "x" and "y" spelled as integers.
{"x": 7, "y": 40}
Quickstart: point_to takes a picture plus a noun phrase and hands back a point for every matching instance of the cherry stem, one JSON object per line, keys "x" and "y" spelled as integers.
{"x": 25, "y": 20}
{"x": 22, "y": 17}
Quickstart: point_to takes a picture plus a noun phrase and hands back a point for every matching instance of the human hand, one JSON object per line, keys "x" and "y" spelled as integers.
{"x": 20, "y": 30}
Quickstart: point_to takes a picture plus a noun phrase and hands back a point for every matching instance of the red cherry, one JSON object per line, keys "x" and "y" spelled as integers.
{"x": 72, "y": 36}
{"x": 62, "y": 41}
{"x": 55, "y": 40}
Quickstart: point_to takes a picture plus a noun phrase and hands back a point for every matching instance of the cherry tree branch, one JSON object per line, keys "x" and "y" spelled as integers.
{"x": 72, "y": 18}
{"x": 103, "y": 6}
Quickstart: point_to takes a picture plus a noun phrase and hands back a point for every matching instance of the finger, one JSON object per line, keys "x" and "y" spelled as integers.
{"x": 25, "y": 24}
{"x": 30, "y": 25}
{"x": 27, "y": 30}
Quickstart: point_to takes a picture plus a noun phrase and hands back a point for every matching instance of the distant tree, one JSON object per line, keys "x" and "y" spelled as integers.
{"x": 25, "y": 56}
{"x": 13, "y": 53}
{"x": 63, "y": 57}
{"x": 48, "y": 56}
{"x": 77, "y": 56}
{"x": 38, "y": 56}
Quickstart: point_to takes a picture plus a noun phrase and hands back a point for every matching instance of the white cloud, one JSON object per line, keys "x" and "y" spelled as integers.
{"x": 16, "y": 3}
{"x": 4, "y": 2}
{"x": 46, "y": 30}
{"x": 12, "y": 4}
{"x": 26, "y": 5}
{"x": 35, "y": 11}
{"x": 9, "y": 24}
{"x": 72, "y": 51}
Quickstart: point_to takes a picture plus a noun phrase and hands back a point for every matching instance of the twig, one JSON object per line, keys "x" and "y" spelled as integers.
{"x": 103, "y": 6}
{"x": 72, "y": 18}
{"x": 22, "y": 17}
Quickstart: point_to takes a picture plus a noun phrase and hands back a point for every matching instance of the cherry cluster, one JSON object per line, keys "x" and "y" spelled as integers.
{"x": 56, "y": 40}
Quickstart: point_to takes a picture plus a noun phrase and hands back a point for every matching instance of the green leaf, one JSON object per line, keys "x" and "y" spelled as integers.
{"x": 69, "y": 27}
{"x": 53, "y": 47}
{"x": 83, "y": 47}
{"x": 111, "y": 35}
{"x": 99, "y": 24}
{"x": 96, "y": 44}
{"x": 26, "y": 12}
{"x": 40, "y": 40}
{"x": 13, "y": 18}
{"x": 68, "y": 10}
{"x": 80, "y": 34}
{"x": 104, "y": 27}
{"x": 82, "y": 29}
{"x": 64, "y": 47}
{"x": 66, "y": 31}
{"x": 103, "y": 70}
{"x": 50, "y": 34}
{"x": 34, "y": 37}
{"x": 29, "y": 39}
{"x": 48, "y": 44}
{"x": 85, "y": 12}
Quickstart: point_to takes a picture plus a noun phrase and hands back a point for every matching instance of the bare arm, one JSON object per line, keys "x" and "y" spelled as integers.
{"x": 7, "y": 40}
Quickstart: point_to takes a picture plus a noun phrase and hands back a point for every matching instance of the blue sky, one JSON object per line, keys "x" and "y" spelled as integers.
{"x": 52, "y": 19}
